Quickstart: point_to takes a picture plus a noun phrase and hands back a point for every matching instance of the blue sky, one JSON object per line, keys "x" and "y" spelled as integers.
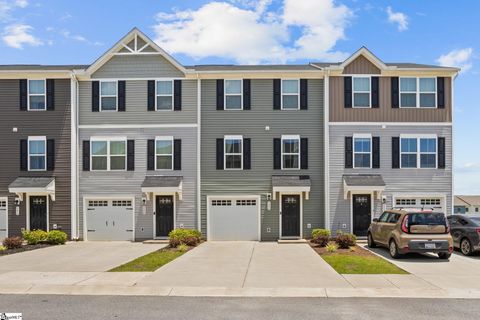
{"x": 265, "y": 31}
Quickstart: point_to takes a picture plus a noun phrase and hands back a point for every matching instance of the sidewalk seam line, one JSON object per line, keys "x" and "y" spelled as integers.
{"x": 248, "y": 266}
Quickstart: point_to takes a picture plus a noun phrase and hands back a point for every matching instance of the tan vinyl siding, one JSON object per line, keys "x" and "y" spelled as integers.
{"x": 361, "y": 65}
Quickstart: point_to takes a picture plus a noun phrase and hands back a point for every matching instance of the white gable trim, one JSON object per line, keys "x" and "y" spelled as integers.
{"x": 363, "y": 51}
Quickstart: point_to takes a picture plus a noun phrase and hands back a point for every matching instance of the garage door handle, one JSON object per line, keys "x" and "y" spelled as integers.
{"x": 91, "y": 230}
{"x": 3, "y": 229}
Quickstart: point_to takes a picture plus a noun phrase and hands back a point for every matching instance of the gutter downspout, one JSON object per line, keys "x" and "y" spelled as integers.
{"x": 199, "y": 154}
{"x": 73, "y": 156}
{"x": 326, "y": 123}
{"x": 453, "y": 126}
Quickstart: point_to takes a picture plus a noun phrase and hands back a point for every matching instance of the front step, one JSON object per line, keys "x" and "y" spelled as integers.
{"x": 155, "y": 241}
{"x": 291, "y": 241}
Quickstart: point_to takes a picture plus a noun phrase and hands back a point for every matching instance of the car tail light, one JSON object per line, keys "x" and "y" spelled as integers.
{"x": 478, "y": 230}
{"x": 405, "y": 224}
{"x": 450, "y": 249}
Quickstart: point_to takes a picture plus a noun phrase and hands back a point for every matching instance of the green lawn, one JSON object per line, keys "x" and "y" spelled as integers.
{"x": 149, "y": 262}
{"x": 353, "y": 264}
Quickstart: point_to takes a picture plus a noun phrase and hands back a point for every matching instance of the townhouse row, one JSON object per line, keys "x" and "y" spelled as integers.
{"x": 136, "y": 144}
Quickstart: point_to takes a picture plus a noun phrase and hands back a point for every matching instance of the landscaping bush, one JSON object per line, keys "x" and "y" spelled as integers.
{"x": 2, "y": 248}
{"x": 56, "y": 237}
{"x": 331, "y": 247}
{"x": 35, "y": 236}
{"x": 184, "y": 236}
{"x": 13, "y": 242}
{"x": 182, "y": 248}
{"x": 345, "y": 240}
{"x": 320, "y": 236}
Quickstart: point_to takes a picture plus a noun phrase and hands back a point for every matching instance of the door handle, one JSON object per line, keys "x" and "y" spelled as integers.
{"x": 154, "y": 213}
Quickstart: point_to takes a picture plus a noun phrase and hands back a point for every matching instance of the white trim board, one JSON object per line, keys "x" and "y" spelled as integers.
{"x": 386, "y": 124}
{"x": 6, "y": 214}
{"x": 137, "y": 126}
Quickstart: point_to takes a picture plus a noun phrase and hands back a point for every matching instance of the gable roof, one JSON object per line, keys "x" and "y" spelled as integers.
{"x": 467, "y": 200}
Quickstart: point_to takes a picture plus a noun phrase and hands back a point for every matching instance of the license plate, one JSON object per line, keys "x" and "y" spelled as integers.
{"x": 429, "y": 245}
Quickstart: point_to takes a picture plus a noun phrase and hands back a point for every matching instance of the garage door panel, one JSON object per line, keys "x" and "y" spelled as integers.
{"x": 110, "y": 220}
{"x": 436, "y": 203}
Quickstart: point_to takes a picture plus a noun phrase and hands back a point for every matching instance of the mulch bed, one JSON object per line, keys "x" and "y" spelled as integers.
{"x": 353, "y": 251}
{"x": 24, "y": 248}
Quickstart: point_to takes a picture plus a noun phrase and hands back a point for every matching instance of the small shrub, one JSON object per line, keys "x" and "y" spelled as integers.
{"x": 12, "y": 242}
{"x": 2, "y": 248}
{"x": 56, "y": 237}
{"x": 323, "y": 232}
{"x": 34, "y": 237}
{"x": 320, "y": 236}
{"x": 184, "y": 236}
{"x": 345, "y": 240}
{"x": 331, "y": 247}
{"x": 182, "y": 248}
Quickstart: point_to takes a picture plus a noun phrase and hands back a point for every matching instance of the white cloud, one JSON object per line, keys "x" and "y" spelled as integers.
{"x": 21, "y": 3}
{"x": 77, "y": 37}
{"x": 461, "y": 58}
{"x": 18, "y": 35}
{"x": 7, "y": 6}
{"x": 398, "y": 18}
{"x": 248, "y": 32}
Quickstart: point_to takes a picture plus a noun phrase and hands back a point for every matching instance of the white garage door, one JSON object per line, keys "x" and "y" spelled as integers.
{"x": 3, "y": 218}
{"x": 435, "y": 203}
{"x": 109, "y": 219}
{"x": 234, "y": 219}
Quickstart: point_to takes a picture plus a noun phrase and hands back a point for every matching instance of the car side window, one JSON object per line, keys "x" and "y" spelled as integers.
{"x": 463, "y": 222}
{"x": 393, "y": 218}
{"x": 384, "y": 217}
{"x": 452, "y": 220}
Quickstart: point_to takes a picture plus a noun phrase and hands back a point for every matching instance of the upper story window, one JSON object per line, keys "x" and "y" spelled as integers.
{"x": 164, "y": 153}
{"x": 290, "y": 94}
{"x": 108, "y": 154}
{"x": 233, "y": 156}
{"x": 418, "y": 152}
{"x": 362, "y": 151}
{"x": 37, "y": 99}
{"x": 418, "y": 93}
{"x": 233, "y": 95}
{"x": 164, "y": 95}
{"x": 361, "y": 92}
{"x": 37, "y": 153}
{"x": 290, "y": 152}
{"x": 108, "y": 96}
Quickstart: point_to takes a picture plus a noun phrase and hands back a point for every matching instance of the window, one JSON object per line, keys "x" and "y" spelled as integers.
{"x": 384, "y": 217}
{"x": 37, "y": 153}
{"x": 466, "y": 209}
{"x": 164, "y": 95}
{"x": 290, "y": 152}
{"x": 122, "y": 203}
{"x": 418, "y": 92}
{"x": 476, "y": 209}
{"x": 362, "y": 151}
{"x": 36, "y": 95}
{"x": 290, "y": 94}
{"x": 164, "y": 153}
{"x": 233, "y": 95}
{"x": 418, "y": 152}
{"x": 246, "y": 202}
{"x": 217, "y": 203}
{"x": 233, "y": 152}
{"x": 108, "y": 96}
{"x": 430, "y": 202}
{"x": 405, "y": 202}
{"x": 97, "y": 203}
{"x": 108, "y": 155}
{"x": 361, "y": 92}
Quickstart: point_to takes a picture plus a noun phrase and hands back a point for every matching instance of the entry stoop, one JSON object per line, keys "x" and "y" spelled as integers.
{"x": 291, "y": 241}
{"x": 156, "y": 241}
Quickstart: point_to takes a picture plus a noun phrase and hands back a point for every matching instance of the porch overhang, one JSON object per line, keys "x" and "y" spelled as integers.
{"x": 369, "y": 183}
{"x": 286, "y": 184}
{"x": 36, "y": 185}
{"x": 162, "y": 184}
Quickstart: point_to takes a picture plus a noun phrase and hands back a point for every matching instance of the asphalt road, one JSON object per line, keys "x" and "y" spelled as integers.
{"x": 50, "y": 307}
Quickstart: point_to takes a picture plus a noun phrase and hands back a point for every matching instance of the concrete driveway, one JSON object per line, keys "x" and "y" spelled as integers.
{"x": 248, "y": 264}
{"x": 76, "y": 257}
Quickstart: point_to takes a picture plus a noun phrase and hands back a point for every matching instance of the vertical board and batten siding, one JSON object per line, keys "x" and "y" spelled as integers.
{"x": 136, "y": 106}
{"x": 361, "y": 65}
{"x": 385, "y": 112}
{"x": 251, "y": 124}
{"x": 398, "y": 181}
{"x": 128, "y": 183}
{"x": 54, "y": 124}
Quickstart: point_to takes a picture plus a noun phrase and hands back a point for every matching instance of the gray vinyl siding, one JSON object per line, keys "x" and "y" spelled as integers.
{"x": 137, "y": 66}
{"x": 398, "y": 181}
{"x": 136, "y": 106}
{"x": 251, "y": 124}
{"x": 128, "y": 183}
{"x": 52, "y": 124}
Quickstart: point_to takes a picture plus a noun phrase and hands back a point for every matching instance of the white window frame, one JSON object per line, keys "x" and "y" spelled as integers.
{"x": 108, "y": 155}
{"x": 290, "y": 137}
{"x": 362, "y": 136}
{"x": 232, "y": 94}
{"x": 37, "y": 138}
{"x": 164, "y": 95}
{"x": 290, "y": 94}
{"x": 225, "y": 138}
{"x": 108, "y": 96}
{"x": 164, "y": 138}
{"x": 369, "y": 92}
{"x": 418, "y": 153}
{"x": 417, "y": 93}
{"x": 36, "y": 94}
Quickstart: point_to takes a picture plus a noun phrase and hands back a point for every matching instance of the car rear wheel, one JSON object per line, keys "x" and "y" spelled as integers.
{"x": 393, "y": 249}
{"x": 370, "y": 241}
{"x": 444, "y": 255}
{"x": 466, "y": 247}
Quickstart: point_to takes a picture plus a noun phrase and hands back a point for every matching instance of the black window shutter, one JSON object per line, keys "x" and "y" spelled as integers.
{"x": 375, "y": 102}
{"x": 220, "y": 154}
{"x": 304, "y": 153}
{"x": 151, "y": 95}
{"x": 95, "y": 96}
{"x": 50, "y": 155}
{"x": 277, "y": 153}
{"x": 277, "y": 87}
{"x": 246, "y": 94}
{"x": 177, "y": 154}
{"x": 395, "y": 152}
{"x": 347, "y": 91}
{"x": 441, "y": 92}
{"x": 130, "y": 155}
{"x": 395, "y": 92}
{"x": 23, "y": 155}
{"x": 86, "y": 155}
{"x": 441, "y": 153}
{"x": 121, "y": 95}
{"x": 23, "y": 95}
{"x": 151, "y": 154}
{"x": 177, "y": 95}
{"x": 247, "y": 158}
{"x": 50, "y": 94}
{"x": 303, "y": 94}
{"x": 376, "y": 152}
{"x": 220, "y": 105}
{"x": 348, "y": 152}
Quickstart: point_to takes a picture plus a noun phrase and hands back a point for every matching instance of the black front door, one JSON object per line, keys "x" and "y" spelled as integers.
{"x": 290, "y": 216}
{"x": 38, "y": 213}
{"x": 362, "y": 214}
{"x": 164, "y": 215}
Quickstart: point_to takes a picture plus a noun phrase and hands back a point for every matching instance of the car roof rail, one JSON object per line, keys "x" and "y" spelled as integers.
{"x": 414, "y": 208}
